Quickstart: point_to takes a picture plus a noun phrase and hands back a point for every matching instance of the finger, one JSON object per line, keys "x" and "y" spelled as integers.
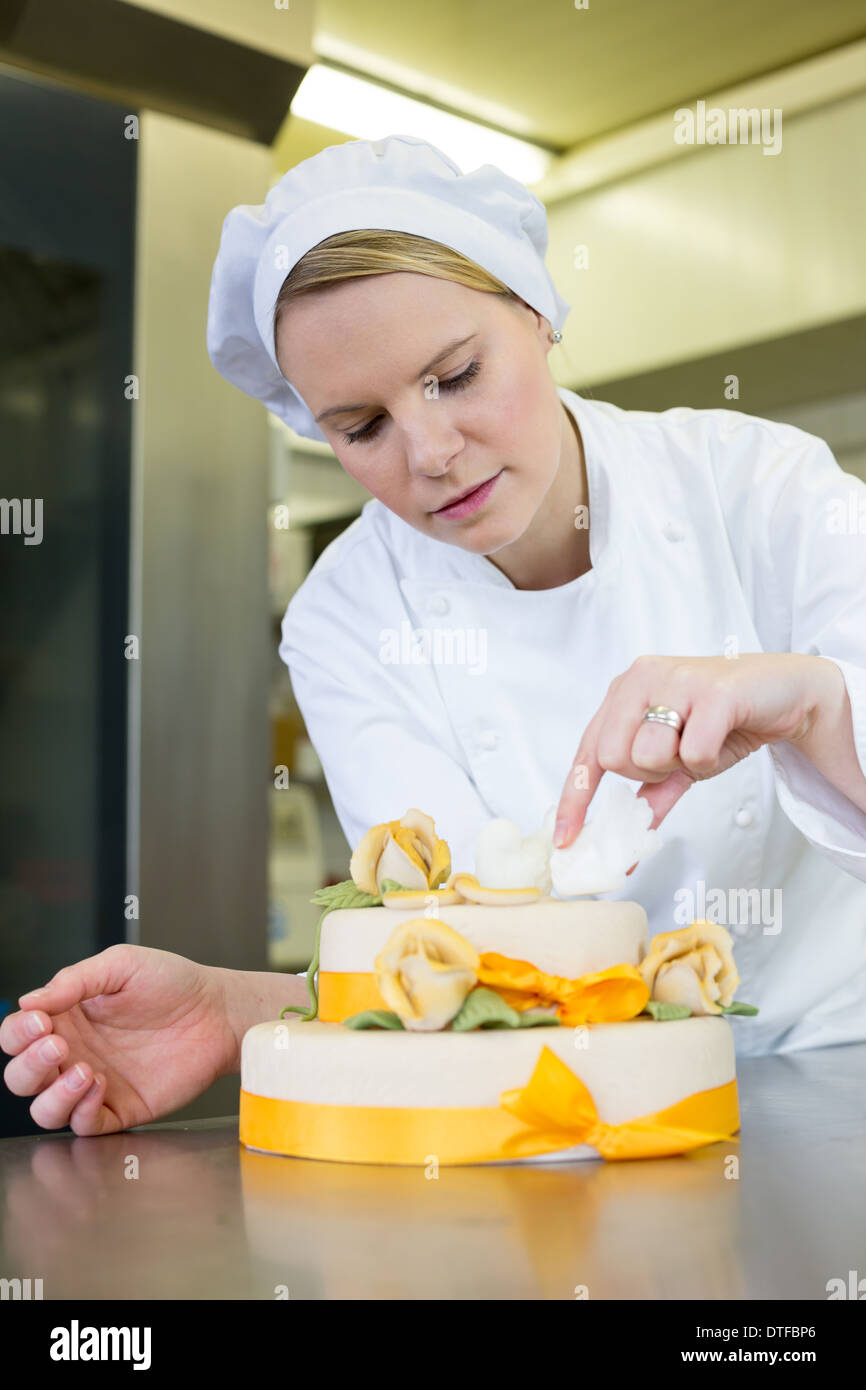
{"x": 640, "y": 749}
{"x": 703, "y": 739}
{"x": 701, "y": 742}
{"x": 695, "y": 750}
{"x": 105, "y": 973}
{"x": 36, "y": 1067}
{"x": 607, "y": 745}
{"x": 581, "y": 783}
{"x": 654, "y": 752}
{"x": 584, "y": 777}
{"x": 18, "y": 1030}
{"x": 90, "y": 1115}
{"x": 52, "y": 1107}
{"x": 663, "y": 796}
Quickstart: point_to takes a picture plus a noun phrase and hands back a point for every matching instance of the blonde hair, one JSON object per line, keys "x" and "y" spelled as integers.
{"x": 379, "y": 251}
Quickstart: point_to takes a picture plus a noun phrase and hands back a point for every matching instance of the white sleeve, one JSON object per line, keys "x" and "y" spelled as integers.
{"x": 380, "y": 732}
{"x": 797, "y": 524}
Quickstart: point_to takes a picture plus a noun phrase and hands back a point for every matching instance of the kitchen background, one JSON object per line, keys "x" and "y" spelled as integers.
{"x": 137, "y": 800}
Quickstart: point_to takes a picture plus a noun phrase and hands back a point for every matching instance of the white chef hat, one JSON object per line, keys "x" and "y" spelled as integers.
{"x": 399, "y": 183}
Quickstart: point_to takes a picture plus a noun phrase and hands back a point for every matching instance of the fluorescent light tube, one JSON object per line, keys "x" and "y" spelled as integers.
{"x": 369, "y": 112}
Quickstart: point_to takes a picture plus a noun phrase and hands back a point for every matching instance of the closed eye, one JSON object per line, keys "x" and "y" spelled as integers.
{"x": 453, "y": 383}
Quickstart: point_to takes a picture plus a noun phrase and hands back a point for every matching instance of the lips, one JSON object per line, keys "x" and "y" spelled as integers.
{"x": 463, "y": 495}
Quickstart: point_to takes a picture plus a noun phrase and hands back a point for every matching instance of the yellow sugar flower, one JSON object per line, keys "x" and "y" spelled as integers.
{"x": 693, "y": 966}
{"x": 406, "y": 850}
{"x": 424, "y": 973}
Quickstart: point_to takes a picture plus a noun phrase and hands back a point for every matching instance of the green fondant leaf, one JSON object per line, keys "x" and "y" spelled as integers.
{"x": 534, "y": 1018}
{"x": 374, "y": 1018}
{"x": 343, "y": 895}
{"x": 390, "y": 885}
{"x": 738, "y": 1007}
{"x": 662, "y": 1013}
{"x": 335, "y": 895}
{"x": 484, "y": 1008}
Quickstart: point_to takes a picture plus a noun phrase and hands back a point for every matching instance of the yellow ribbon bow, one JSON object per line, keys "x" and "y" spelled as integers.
{"x": 607, "y": 996}
{"x": 559, "y": 1112}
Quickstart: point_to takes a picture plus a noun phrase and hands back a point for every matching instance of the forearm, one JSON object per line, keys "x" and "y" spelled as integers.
{"x": 828, "y": 742}
{"x": 255, "y": 996}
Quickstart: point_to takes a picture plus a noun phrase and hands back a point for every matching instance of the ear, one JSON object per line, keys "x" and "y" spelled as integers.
{"x": 542, "y": 328}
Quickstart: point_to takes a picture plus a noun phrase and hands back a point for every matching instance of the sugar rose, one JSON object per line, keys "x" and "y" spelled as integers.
{"x": 693, "y": 966}
{"x": 406, "y": 850}
{"x": 425, "y": 972}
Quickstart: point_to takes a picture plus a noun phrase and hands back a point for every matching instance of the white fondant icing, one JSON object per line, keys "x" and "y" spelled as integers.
{"x": 630, "y": 1069}
{"x": 561, "y": 938}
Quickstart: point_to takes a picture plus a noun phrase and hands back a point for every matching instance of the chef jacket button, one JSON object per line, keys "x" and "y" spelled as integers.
{"x": 672, "y": 532}
{"x": 744, "y": 818}
{"x": 438, "y": 604}
{"x": 488, "y": 739}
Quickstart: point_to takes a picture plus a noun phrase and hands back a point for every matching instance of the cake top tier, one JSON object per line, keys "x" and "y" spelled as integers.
{"x": 494, "y": 948}
{"x": 562, "y": 938}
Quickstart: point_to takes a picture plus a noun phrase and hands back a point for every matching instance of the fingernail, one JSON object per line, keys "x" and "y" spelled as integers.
{"x": 88, "y": 1095}
{"x": 49, "y": 1051}
{"x": 33, "y": 993}
{"x": 36, "y": 1026}
{"x": 76, "y": 1077}
{"x": 560, "y": 832}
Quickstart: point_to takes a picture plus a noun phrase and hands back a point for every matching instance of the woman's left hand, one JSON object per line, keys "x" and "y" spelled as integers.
{"x": 729, "y": 706}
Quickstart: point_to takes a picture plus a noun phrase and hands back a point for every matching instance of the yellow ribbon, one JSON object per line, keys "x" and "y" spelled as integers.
{"x": 555, "y": 1103}
{"x": 606, "y": 996}
{"x": 553, "y": 1111}
{"x": 343, "y": 993}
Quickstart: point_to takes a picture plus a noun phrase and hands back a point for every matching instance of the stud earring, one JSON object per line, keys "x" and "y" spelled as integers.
{"x": 556, "y": 336}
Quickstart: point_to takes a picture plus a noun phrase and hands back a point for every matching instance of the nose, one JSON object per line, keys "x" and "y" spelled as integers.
{"x": 431, "y": 443}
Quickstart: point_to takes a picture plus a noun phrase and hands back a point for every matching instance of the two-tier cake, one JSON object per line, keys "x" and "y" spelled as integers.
{"x": 455, "y": 1022}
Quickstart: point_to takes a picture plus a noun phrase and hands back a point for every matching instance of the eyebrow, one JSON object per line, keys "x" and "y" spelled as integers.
{"x": 440, "y": 356}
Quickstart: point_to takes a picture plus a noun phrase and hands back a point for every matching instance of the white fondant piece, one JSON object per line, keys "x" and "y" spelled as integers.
{"x": 505, "y": 859}
{"x": 616, "y": 836}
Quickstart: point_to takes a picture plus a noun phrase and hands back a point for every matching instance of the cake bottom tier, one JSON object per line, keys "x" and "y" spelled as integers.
{"x": 639, "y": 1089}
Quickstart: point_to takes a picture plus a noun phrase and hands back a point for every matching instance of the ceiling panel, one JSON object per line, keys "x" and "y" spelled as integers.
{"x": 562, "y": 75}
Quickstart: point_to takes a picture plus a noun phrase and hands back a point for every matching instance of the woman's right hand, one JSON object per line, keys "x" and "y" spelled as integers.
{"x": 145, "y": 1032}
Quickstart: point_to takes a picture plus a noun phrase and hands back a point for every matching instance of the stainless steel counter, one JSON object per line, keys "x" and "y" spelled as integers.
{"x": 205, "y": 1218}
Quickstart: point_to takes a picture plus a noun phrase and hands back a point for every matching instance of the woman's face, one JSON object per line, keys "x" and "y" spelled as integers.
{"x": 417, "y": 428}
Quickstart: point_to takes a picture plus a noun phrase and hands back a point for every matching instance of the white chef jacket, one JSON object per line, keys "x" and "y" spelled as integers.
{"x": 711, "y": 531}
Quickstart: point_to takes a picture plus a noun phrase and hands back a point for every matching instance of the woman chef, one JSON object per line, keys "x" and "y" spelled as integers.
{"x": 536, "y": 574}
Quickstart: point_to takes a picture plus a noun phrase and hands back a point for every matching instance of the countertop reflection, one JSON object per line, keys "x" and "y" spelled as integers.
{"x": 205, "y": 1218}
